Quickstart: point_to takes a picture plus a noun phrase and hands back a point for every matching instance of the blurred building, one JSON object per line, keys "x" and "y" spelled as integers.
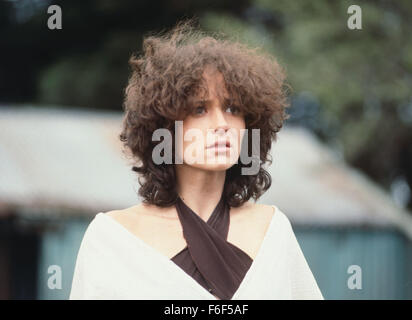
{"x": 59, "y": 168}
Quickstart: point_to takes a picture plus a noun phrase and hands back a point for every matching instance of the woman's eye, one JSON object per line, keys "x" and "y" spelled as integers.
{"x": 235, "y": 110}
{"x": 198, "y": 110}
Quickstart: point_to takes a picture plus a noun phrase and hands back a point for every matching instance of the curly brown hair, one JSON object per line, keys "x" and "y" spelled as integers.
{"x": 163, "y": 79}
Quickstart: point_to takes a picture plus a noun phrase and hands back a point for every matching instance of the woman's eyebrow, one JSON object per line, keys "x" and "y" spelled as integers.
{"x": 208, "y": 101}
{"x": 202, "y": 101}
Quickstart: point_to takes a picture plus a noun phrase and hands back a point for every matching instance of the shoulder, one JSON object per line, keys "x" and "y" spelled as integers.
{"x": 264, "y": 215}
{"x": 127, "y": 216}
{"x": 261, "y": 211}
{"x": 259, "y": 214}
{"x": 121, "y": 213}
{"x": 143, "y": 216}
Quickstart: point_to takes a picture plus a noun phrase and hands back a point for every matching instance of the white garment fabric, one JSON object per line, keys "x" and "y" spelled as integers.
{"x": 112, "y": 263}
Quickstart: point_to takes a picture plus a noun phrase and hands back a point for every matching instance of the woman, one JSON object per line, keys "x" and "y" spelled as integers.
{"x": 196, "y": 235}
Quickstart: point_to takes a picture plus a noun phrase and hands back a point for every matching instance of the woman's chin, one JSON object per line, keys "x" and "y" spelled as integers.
{"x": 214, "y": 166}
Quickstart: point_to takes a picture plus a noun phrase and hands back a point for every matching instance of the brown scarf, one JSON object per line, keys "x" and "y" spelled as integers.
{"x": 214, "y": 263}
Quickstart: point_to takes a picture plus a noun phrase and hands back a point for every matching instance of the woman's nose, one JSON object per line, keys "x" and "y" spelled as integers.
{"x": 220, "y": 122}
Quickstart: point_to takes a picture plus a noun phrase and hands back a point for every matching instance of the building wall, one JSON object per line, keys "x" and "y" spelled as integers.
{"x": 59, "y": 247}
{"x": 381, "y": 254}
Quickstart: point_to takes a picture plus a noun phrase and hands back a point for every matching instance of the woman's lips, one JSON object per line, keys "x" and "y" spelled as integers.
{"x": 220, "y": 145}
{"x": 221, "y": 148}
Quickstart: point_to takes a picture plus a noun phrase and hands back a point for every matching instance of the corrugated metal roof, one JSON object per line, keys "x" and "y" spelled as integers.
{"x": 312, "y": 185}
{"x": 68, "y": 159}
{"x": 71, "y": 160}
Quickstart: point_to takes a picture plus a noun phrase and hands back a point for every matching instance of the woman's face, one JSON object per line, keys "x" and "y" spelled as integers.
{"x": 212, "y": 121}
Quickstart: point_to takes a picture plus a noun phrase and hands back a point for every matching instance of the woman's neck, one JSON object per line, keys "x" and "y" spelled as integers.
{"x": 200, "y": 190}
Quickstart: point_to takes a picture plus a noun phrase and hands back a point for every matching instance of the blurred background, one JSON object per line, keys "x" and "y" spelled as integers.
{"x": 342, "y": 169}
